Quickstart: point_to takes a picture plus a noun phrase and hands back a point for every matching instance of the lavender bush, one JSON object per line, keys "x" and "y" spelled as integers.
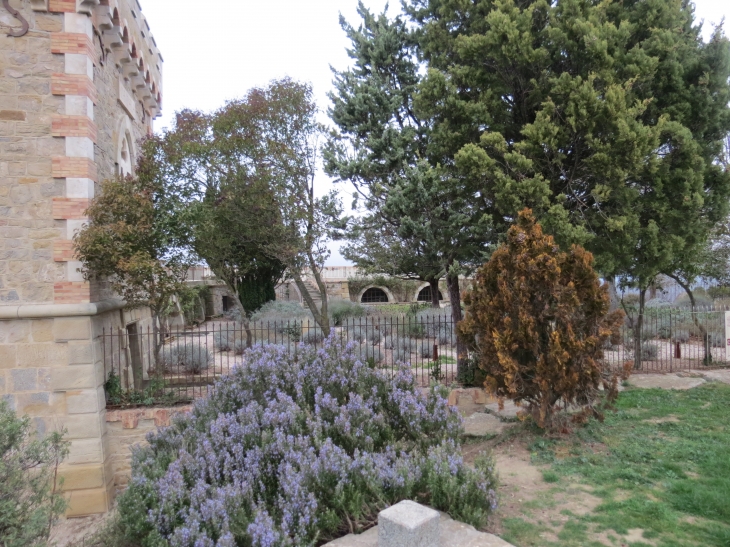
{"x": 293, "y": 450}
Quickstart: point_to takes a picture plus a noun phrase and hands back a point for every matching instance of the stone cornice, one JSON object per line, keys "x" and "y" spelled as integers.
{"x": 39, "y": 311}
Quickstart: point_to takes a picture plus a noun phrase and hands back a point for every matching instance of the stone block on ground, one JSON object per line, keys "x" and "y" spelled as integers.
{"x": 408, "y": 524}
{"x": 664, "y": 381}
{"x": 481, "y": 424}
{"x": 451, "y": 534}
{"x": 508, "y": 413}
{"x": 716, "y": 375}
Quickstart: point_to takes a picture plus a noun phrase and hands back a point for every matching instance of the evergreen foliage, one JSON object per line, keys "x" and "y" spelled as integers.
{"x": 537, "y": 320}
{"x": 30, "y": 497}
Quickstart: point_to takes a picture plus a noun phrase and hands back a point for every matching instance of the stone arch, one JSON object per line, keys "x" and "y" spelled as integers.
{"x": 126, "y": 153}
{"x": 420, "y": 289}
{"x": 289, "y": 292}
{"x": 385, "y": 290}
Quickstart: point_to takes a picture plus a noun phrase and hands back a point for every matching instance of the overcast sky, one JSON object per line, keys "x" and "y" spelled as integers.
{"x": 216, "y": 50}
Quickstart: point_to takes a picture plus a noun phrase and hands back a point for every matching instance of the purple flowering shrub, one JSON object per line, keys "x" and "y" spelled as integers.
{"x": 291, "y": 450}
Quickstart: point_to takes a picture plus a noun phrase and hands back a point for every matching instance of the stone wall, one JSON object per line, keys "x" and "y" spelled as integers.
{"x": 129, "y": 428}
{"x": 77, "y": 90}
{"x": 27, "y": 186}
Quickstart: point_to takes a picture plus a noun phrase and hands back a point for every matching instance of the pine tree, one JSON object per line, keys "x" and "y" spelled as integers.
{"x": 383, "y": 147}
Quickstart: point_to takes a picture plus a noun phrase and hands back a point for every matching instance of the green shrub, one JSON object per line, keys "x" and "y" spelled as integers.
{"x": 30, "y": 500}
{"x": 649, "y": 351}
{"x": 291, "y": 450}
{"x": 281, "y": 311}
{"x": 155, "y": 393}
{"x": 342, "y": 310}
{"x": 190, "y": 356}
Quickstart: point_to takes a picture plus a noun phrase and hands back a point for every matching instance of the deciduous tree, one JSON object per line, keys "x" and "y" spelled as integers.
{"x": 134, "y": 242}
{"x": 246, "y": 176}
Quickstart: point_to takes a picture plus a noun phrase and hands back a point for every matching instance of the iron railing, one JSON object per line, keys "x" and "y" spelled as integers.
{"x": 186, "y": 362}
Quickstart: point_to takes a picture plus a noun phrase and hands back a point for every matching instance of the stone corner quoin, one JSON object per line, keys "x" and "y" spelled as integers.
{"x": 80, "y": 85}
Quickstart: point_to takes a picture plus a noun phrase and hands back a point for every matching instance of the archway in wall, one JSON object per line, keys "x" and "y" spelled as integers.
{"x": 374, "y": 295}
{"x": 125, "y": 149}
{"x": 289, "y": 292}
{"x": 424, "y": 295}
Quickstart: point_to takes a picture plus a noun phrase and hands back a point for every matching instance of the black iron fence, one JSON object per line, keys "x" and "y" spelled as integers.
{"x": 142, "y": 368}
{"x": 672, "y": 339}
{"x": 182, "y": 364}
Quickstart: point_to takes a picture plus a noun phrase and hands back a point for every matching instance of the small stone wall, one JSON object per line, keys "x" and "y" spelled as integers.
{"x": 128, "y": 428}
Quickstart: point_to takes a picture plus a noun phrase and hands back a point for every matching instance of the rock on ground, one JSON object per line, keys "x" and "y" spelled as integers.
{"x": 453, "y": 534}
{"x": 481, "y": 424}
{"x": 508, "y": 413}
{"x": 664, "y": 381}
{"x": 722, "y": 375}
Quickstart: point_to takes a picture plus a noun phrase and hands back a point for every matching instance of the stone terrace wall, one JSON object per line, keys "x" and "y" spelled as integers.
{"x": 129, "y": 428}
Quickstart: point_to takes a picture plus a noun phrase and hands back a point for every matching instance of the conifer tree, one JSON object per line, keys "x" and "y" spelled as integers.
{"x": 383, "y": 148}
{"x": 607, "y": 118}
{"x": 537, "y": 320}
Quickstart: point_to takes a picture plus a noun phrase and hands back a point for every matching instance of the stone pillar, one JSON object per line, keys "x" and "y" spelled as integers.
{"x": 409, "y": 524}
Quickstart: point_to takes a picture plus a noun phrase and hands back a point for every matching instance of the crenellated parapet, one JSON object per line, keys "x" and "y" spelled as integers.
{"x": 126, "y": 39}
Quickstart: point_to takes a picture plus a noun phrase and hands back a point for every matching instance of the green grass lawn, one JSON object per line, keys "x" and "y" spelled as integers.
{"x": 661, "y": 464}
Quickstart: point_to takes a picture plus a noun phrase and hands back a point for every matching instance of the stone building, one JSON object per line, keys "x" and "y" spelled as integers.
{"x": 80, "y": 83}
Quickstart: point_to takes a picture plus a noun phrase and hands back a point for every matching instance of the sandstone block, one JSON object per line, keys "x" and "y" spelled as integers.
{"x": 85, "y": 451}
{"x": 82, "y": 477}
{"x": 80, "y": 353}
{"x": 82, "y": 426}
{"x": 7, "y": 355}
{"x": 12, "y": 115}
{"x": 49, "y": 23}
{"x": 44, "y": 379}
{"x": 83, "y": 401}
{"x": 41, "y": 404}
{"x": 71, "y": 328}
{"x": 87, "y": 502}
{"x": 33, "y": 355}
{"x": 42, "y": 330}
{"x": 23, "y": 379}
{"x": 408, "y": 524}
{"x": 73, "y": 378}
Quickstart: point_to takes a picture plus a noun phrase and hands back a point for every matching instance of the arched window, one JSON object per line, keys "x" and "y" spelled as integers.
{"x": 374, "y": 295}
{"x": 126, "y": 157}
{"x": 425, "y": 295}
{"x": 124, "y": 161}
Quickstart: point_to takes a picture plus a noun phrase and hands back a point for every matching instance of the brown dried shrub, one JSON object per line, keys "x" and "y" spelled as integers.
{"x": 537, "y": 320}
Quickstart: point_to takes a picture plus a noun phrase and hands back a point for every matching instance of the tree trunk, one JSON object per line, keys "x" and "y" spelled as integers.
{"x": 613, "y": 295}
{"x": 309, "y": 301}
{"x": 244, "y": 316}
{"x": 637, "y": 330}
{"x": 434, "y": 284}
{"x": 452, "y": 281}
{"x": 324, "y": 322}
